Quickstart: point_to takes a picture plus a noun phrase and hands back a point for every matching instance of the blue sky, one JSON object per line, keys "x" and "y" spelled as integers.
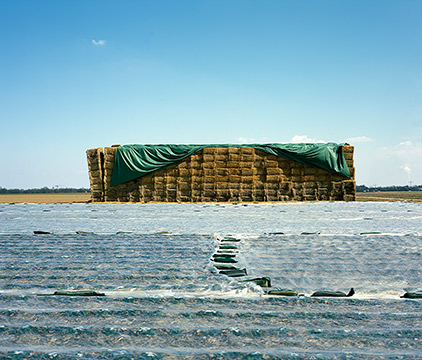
{"x": 81, "y": 74}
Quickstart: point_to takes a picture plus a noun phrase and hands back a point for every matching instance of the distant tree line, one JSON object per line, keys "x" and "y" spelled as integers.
{"x": 364, "y": 188}
{"x": 44, "y": 190}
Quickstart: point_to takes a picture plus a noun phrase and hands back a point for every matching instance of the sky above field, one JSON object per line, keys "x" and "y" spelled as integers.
{"x": 88, "y": 73}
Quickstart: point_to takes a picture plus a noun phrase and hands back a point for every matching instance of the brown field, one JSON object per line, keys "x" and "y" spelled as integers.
{"x": 411, "y": 196}
{"x": 45, "y": 198}
{"x": 83, "y": 198}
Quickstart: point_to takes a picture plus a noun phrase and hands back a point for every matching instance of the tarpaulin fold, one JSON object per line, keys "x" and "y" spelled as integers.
{"x": 136, "y": 160}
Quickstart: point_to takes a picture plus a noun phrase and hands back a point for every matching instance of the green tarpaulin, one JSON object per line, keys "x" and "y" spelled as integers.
{"x": 134, "y": 161}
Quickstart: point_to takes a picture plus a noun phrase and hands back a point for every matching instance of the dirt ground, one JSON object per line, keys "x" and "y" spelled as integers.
{"x": 83, "y": 198}
{"x": 45, "y": 198}
{"x": 411, "y": 196}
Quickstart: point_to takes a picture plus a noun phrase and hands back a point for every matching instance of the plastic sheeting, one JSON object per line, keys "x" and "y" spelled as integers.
{"x": 134, "y": 161}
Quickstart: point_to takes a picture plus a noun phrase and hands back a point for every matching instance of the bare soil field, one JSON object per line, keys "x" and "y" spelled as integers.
{"x": 65, "y": 198}
{"x": 411, "y": 196}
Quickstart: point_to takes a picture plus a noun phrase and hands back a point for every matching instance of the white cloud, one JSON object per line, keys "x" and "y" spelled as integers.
{"x": 406, "y": 169}
{"x": 242, "y": 140}
{"x": 406, "y": 151}
{"x": 358, "y": 139}
{"x": 99, "y": 42}
{"x": 304, "y": 139}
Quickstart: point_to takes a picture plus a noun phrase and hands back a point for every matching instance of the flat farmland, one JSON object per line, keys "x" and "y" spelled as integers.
{"x": 64, "y": 198}
{"x": 411, "y": 196}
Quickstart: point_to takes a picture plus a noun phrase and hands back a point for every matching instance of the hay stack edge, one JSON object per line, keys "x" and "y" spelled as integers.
{"x": 222, "y": 173}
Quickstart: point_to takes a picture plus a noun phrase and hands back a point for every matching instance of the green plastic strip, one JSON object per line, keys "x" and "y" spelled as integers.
{"x": 134, "y": 161}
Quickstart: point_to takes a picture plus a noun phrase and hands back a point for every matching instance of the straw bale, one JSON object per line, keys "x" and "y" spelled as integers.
{"x": 349, "y": 163}
{"x": 234, "y": 171}
{"x": 221, "y": 157}
{"x": 94, "y": 166}
{"x": 92, "y": 152}
{"x": 247, "y": 172}
{"x": 158, "y": 178}
{"x": 223, "y": 151}
{"x": 222, "y": 172}
{"x": 183, "y": 164}
{"x": 348, "y": 156}
{"x": 234, "y": 157}
{"x": 309, "y": 170}
{"x": 96, "y": 195}
{"x": 171, "y": 171}
{"x": 196, "y": 164}
{"x": 222, "y": 178}
{"x": 160, "y": 193}
{"x": 208, "y": 165}
{"x": 197, "y": 193}
{"x": 209, "y": 151}
{"x": 234, "y": 150}
{"x": 233, "y": 164}
{"x": 273, "y": 171}
{"x": 336, "y": 185}
{"x": 352, "y": 172}
{"x": 349, "y": 185}
{"x": 348, "y": 149}
{"x": 258, "y": 195}
{"x": 222, "y": 185}
{"x": 209, "y": 179}
{"x": 109, "y": 156}
{"x": 160, "y": 186}
{"x": 270, "y": 163}
{"x": 210, "y": 193}
{"x": 247, "y": 157}
{"x": 260, "y": 171}
{"x": 109, "y": 165}
{"x": 309, "y": 191}
{"x": 234, "y": 179}
{"x": 147, "y": 179}
{"x": 248, "y": 179}
{"x": 196, "y": 179}
{"x": 220, "y": 164}
{"x": 349, "y": 197}
{"x": 296, "y": 179}
{"x": 97, "y": 187}
{"x": 110, "y": 150}
{"x": 284, "y": 163}
{"x": 273, "y": 186}
{"x": 273, "y": 178}
{"x": 310, "y": 178}
{"x": 272, "y": 194}
{"x": 233, "y": 186}
{"x": 134, "y": 196}
{"x": 208, "y": 172}
{"x": 246, "y": 150}
{"x": 184, "y": 173}
{"x": 258, "y": 185}
{"x": 95, "y": 175}
{"x": 208, "y": 157}
{"x": 208, "y": 186}
{"x": 197, "y": 186}
{"x": 170, "y": 179}
{"x": 223, "y": 195}
{"x": 296, "y": 171}
{"x": 183, "y": 186}
{"x": 197, "y": 172}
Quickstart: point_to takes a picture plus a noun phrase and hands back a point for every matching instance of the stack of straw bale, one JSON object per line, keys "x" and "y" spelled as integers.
{"x": 224, "y": 174}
